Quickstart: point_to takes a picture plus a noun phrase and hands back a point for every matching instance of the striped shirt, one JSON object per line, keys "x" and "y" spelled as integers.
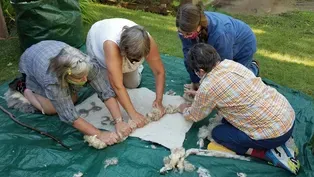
{"x": 243, "y": 100}
{"x": 34, "y": 63}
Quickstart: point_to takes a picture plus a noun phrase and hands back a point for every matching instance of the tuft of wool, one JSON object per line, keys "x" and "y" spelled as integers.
{"x": 203, "y": 172}
{"x": 154, "y": 115}
{"x": 111, "y": 161}
{"x": 79, "y": 174}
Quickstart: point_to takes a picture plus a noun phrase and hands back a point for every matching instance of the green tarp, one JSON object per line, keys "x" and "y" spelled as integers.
{"x": 39, "y": 20}
{"x": 27, "y": 153}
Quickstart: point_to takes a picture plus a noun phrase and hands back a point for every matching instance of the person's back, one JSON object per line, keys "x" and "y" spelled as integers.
{"x": 35, "y": 61}
{"x": 257, "y": 120}
{"x": 241, "y": 34}
{"x": 246, "y": 102}
{"x": 102, "y": 31}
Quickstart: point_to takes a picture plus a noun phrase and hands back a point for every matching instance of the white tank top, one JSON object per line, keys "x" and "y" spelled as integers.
{"x": 101, "y": 31}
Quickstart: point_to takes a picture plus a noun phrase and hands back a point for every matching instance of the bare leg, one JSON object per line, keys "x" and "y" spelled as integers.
{"x": 41, "y": 103}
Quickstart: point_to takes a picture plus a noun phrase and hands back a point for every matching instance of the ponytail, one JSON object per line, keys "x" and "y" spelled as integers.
{"x": 190, "y": 15}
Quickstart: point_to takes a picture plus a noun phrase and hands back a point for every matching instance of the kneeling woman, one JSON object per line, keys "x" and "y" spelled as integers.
{"x": 121, "y": 46}
{"x": 53, "y": 72}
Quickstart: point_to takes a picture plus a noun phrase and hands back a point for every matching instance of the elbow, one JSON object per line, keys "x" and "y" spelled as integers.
{"x": 160, "y": 72}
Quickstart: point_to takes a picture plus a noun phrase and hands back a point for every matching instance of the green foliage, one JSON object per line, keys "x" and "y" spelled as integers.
{"x": 8, "y": 11}
{"x": 89, "y": 15}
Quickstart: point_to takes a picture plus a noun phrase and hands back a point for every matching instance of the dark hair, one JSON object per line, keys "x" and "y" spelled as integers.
{"x": 190, "y": 16}
{"x": 202, "y": 56}
{"x": 134, "y": 42}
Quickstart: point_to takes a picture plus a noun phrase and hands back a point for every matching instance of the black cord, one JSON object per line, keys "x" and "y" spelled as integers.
{"x": 32, "y": 128}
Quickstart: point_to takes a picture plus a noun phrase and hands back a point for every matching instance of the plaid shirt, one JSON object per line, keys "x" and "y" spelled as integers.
{"x": 243, "y": 100}
{"x": 34, "y": 62}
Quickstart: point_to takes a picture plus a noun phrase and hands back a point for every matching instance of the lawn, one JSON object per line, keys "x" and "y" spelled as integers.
{"x": 285, "y": 43}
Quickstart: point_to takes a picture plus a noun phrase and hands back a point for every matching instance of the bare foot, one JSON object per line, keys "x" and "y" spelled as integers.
{"x": 123, "y": 129}
{"x": 109, "y": 138}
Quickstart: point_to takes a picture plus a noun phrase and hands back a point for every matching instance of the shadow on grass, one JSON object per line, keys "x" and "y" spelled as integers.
{"x": 298, "y": 76}
{"x": 290, "y": 36}
{"x": 284, "y": 42}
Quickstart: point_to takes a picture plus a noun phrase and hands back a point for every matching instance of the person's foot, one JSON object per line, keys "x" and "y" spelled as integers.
{"x": 280, "y": 158}
{"x": 18, "y": 84}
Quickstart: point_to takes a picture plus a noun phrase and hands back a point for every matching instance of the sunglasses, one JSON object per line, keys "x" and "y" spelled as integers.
{"x": 134, "y": 60}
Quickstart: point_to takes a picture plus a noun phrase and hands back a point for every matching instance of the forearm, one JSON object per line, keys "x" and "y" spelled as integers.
{"x": 201, "y": 107}
{"x": 113, "y": 107}
{"x": 85, "y": 127}
{"x": 124, "y": 99}
{"x": 160, "y": 85}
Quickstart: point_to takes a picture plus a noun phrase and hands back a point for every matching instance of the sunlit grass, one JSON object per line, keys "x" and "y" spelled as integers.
{"x": 285, "y": 42}
{"x": 286, "y": 57}
{"x": 258, "y": 31}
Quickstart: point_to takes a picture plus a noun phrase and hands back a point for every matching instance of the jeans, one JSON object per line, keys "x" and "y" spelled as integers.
{"x": 239, "y": 142}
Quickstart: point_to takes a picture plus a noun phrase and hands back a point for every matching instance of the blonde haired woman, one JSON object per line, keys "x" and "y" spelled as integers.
{"x": 121, "y": 46}
{"x": 53, "y": 72}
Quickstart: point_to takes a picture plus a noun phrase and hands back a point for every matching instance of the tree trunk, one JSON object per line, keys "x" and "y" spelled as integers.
{"x": 3, "y": 27}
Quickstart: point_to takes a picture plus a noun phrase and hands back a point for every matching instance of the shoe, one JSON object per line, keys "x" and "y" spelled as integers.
{"x": 254, "y": 62}
{"x": 279, "y": 157}
{"x": 291, "y": 148}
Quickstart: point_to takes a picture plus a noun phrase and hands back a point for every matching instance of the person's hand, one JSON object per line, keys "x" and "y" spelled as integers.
{"x": 183, "y": 106}
{"x": 139, "y": 119}
{"x": 192, "y": 86}
{"x": 123, "y": 129}
{"x": 190, "y": 92}
{"x": 109, "y": 138}
{"x": 158, "y": 105}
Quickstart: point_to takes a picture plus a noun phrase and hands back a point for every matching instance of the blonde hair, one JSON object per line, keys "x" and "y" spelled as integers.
{"x": 134, "y": 42}
{"x": 70, "y": 61}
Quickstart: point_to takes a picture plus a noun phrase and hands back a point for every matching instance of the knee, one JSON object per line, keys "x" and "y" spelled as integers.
{"x": 217, "y": 133}
{"x": 132, "y": 85}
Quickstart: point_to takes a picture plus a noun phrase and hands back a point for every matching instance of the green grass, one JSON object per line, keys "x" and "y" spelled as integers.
{"x": 285, "y": 43}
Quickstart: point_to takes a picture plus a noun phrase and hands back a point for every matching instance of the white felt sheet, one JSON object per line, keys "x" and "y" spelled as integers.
{"x": 169, "y": 131}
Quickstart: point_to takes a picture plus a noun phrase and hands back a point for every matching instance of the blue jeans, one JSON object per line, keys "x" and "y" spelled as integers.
{"x": 239, "y": 142}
